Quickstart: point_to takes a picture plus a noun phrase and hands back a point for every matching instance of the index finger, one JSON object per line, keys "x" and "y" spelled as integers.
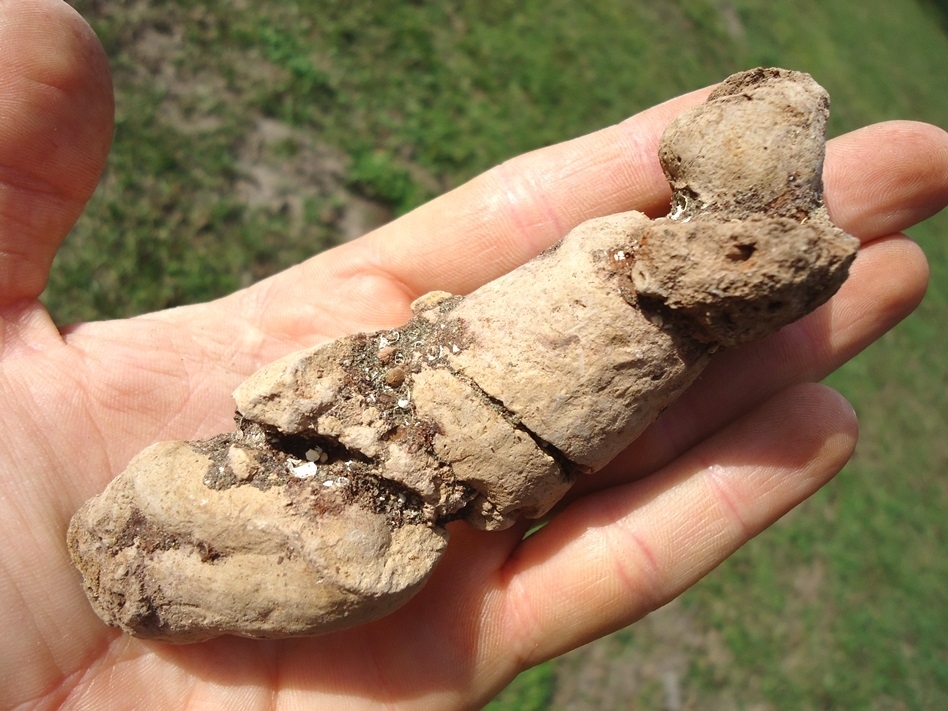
{"x": 511, "y": 213}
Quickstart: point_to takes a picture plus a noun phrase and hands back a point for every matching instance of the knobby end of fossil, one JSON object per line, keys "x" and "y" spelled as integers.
{"x": 711, "y": 273}
{"x": 756, "y": 146}
{"x": 748, "y": 247}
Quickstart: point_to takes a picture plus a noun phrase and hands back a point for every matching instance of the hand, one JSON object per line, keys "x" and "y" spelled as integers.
{"x": 750, "y": 441}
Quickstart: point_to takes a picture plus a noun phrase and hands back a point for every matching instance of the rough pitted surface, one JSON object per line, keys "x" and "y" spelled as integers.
{"x": 755, "y": 147}
{"x": 326, "y": 507}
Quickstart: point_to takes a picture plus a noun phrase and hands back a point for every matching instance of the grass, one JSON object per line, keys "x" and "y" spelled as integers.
{"x": 841, "y": 604}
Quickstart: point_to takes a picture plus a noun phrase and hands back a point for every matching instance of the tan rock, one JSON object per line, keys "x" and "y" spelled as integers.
{"x": 326, "y": 507}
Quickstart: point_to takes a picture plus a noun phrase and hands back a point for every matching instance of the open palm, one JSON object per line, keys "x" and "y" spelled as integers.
{"x": 750, "y": 441}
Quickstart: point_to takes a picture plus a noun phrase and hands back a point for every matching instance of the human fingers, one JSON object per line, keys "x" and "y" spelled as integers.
{"x": 614, "y": 556}
{"x": 884, "y": 178}
{"x": 56, "y": 103}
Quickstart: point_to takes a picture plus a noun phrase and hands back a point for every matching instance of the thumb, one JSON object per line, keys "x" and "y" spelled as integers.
{"x": 57, "y": 108}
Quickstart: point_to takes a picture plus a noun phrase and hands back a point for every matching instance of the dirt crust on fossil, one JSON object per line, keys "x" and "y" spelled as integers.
{"x": 326, "y": 507}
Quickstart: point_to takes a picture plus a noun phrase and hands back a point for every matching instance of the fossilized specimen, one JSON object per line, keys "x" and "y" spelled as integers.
{"x": 325, "y": 508}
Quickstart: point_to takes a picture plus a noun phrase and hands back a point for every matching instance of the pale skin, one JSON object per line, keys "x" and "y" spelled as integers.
{"x": 718, "y": 468}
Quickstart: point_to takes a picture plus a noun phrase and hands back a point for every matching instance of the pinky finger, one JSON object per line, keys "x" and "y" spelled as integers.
{"x": 614, "y": 556}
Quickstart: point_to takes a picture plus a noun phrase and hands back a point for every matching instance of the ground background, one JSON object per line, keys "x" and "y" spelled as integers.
{"x": 252, "y": 134}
